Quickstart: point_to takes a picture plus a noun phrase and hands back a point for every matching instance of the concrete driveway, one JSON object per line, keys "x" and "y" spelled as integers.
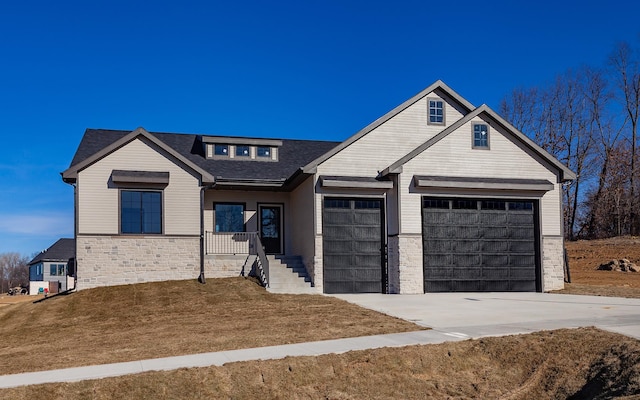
{"x": 474, "y": 315}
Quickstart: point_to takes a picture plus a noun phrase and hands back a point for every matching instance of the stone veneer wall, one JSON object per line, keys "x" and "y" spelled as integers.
{"x": 552, "y": 263}
{"x": 315, "y": 269}
{"x": 118, "y": 260}
{"x": 410, "y": 264}
{"x": 227, "y": 265}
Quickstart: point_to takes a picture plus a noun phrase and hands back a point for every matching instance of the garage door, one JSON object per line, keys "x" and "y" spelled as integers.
{"x": 352, "y": 245}
{"x": 479, "y": 245}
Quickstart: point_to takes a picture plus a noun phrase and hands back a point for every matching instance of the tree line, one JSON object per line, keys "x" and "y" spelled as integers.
{"x": 588, "y": 119}
{"x": 14, "y": 271}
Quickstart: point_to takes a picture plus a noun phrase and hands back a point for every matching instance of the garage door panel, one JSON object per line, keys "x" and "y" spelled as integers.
{"x": 352, "y": 245}
{"x": 495, "y": 260}
{"x": 464, "y": 246}
{"x": 494, "y": 246}
{"x": 483, "y": 245}
{"x": 466, "y": 273}
{"x": 436, "y": 216}
{"x": 464, "y": 217}
{"x": 524, "y": 246}
{"x": 497, "y": 286}
{"x": 522, "y": 286}
{"x": 493, "y": 218}
{"x": 439, "y": 246}
{"x": 466, "y": 260}
{"x": 440, "y": 273}
{"x": 465, "y": 232}
{"x": 337, "y": 261}
{"x": 493, "y": 273}
{"x": 437, "y": 260}
{"x": 495, "y": 232}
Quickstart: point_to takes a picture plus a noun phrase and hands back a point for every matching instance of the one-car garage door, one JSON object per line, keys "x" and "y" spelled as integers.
{"x": 479, "y": 245}
{"x": 352, "y": 245}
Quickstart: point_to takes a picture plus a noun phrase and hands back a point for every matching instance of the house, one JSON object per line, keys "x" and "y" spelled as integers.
{"x": 435, "y": 195}
{"x": 51, "y": 268}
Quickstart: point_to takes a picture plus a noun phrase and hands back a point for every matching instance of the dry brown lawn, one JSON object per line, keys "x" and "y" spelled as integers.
{"x": 564, "y": 364}
{"x": 132, "y": 322}
{"x": 586, "y": 255}
{"x": 161, "y": 319}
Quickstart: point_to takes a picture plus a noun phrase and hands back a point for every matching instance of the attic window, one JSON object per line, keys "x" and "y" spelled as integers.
{"x": 480, "y": 136}
{"x": 242, "y": 151}
{"x": 263, "y": 151}
{"x": 436, "y": 112}
{"x": 221, "y": 150}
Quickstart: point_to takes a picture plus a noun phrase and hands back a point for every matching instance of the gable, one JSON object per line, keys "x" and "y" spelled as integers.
{"x": 454, "y": 155}
{"x": 484, "y": 114}
{"x": 391, "y": 136}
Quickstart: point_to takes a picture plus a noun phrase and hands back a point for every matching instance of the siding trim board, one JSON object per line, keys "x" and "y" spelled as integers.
{"x": 354, "y": 182}
{"x": 445, "y": 182}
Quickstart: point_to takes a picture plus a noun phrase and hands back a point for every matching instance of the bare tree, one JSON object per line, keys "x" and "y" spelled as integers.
{"x": 14, "y": 271}
{"x": 625, "y": 64}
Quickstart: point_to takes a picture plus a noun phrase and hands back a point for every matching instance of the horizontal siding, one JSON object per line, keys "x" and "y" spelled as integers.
{"x": 454, "y": 156}
{"x": 98, "y": 208}
{"x": 389, "y": 142}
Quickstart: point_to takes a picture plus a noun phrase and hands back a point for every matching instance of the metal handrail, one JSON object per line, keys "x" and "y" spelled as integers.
{"x": 240, "y": 243}
{"x": 262, "y": 263}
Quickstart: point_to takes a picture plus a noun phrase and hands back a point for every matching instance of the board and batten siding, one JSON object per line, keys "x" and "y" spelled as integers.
{"x": 98, "y": 201}
{"x": 454, "y": 156}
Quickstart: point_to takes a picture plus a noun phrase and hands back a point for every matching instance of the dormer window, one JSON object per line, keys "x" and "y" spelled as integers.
{"x": 221, "y": 150}
{"x": 263, "y": 151}
{"x": 242, "y": 151}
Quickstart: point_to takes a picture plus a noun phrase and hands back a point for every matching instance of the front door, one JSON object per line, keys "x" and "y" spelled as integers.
{"x": 270, "y": 225}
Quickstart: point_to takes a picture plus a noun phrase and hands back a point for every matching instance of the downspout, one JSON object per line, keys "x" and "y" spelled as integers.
{"x": 201, "y": 277}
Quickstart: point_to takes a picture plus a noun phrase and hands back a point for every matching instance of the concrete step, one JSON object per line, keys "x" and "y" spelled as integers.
{"x": 287, "y": 274}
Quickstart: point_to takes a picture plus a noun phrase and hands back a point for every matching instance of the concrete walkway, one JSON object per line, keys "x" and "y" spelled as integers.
{"x": 453, "y": 317}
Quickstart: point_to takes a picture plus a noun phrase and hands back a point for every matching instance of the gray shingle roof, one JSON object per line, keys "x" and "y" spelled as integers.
{"x": 293, "y": 154}
{"x": 62, "y": 250}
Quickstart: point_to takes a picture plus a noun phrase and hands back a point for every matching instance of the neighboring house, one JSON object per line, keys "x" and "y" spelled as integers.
{"x": 52, "y": 266}
{"x": 435, "y": 195}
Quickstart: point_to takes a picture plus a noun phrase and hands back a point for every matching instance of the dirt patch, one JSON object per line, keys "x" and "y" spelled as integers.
{"x": 574, "y": 364}
{"x": 133, "y": 322}
{"x": 586, "y": 255}
{"x": 6, "y": 300}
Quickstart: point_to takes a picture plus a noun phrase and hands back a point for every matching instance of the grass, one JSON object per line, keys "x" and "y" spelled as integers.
{"x": 581, "y": 363}
{"x": 132, "y": 322}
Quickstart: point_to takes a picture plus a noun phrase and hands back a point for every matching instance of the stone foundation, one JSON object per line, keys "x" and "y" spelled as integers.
{"x": 227, "y": 266}
{"x": 552, "y": 263}
{"x": 119, "y": 260}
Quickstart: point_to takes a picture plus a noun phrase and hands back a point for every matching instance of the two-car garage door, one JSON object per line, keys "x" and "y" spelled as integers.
{"x": 479, "y": 245}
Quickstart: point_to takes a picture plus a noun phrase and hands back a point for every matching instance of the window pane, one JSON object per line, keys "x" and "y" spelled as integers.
{"x": 229, "y": 217}
{"x": 141, "y": 212}
{"x": 264, "y": 151}
{"x": 53, "y": 269}
{"x": 61, "y": 269}
{"x": 480, "y": 135}
{"x": 221, "y": 150}
{"x": 242, "y": 151}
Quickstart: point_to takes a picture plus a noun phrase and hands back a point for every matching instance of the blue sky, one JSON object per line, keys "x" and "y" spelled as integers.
{"x": 286, "y": 69}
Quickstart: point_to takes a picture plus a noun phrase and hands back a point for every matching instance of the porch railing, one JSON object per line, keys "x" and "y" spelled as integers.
{"x": 240, "y": 243}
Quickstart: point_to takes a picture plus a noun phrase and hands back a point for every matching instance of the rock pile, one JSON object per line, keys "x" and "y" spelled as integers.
{"x": 622, "y": 265}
